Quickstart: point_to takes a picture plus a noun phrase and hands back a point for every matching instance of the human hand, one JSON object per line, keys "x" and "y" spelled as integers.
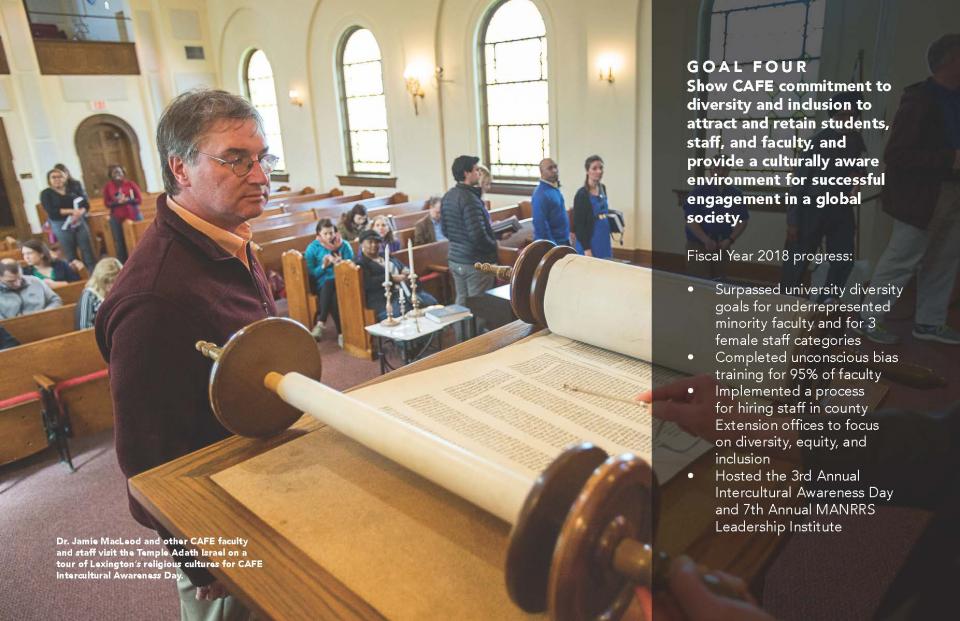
{"x": 327, "y": 259}
{"x": 710, "y": 245}
{"x": 588, "y": 253}
{"x": 213, "y": 591}
{"x": 689, "y": 598}
{"x": 693, "y": 404}
{"x": 398, "y": 277}
{"x": 77, "y": 265}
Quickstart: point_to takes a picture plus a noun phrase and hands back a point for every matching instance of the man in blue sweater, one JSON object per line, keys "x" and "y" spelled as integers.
{"x": 550, "y": 219}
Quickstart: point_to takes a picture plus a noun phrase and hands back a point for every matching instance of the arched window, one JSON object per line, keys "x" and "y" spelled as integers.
{"x": 262, "y": 93}
{"x": 362, "y": 104}
{"x": 749, "y": 30}
{"x": 514, "y": 103}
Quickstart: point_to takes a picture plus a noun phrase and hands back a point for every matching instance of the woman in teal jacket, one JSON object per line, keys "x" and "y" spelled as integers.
{"x": 322, "y": 255}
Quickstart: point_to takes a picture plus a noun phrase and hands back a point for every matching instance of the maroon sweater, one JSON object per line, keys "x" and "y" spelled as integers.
{"x": 177, "y": 288}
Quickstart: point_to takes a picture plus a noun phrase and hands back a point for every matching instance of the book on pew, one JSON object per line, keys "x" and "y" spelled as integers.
{"x": 447, "y": 313}
{"x": 511, "y": 224}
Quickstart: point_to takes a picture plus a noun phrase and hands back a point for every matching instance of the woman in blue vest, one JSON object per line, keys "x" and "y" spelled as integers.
{"x": 590, "y": 210}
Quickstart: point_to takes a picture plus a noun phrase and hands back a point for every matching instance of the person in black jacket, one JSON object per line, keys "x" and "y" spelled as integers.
{"x": 371, "y": 262}
{"x": 590, "y": 210}
{"x": 465, "y": 222}
{"x": 73, "y": 185}
{"x": 66, "y": 212}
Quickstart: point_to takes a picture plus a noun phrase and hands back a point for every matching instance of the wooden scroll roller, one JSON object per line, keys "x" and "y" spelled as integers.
{"x": 578, "y": 546}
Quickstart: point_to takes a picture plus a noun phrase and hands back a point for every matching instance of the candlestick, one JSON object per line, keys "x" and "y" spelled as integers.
{"x": 417, "y": 312}
{"x": 388, "y": 295}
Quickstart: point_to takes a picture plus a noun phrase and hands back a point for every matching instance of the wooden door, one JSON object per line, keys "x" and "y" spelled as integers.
{"x": 102, "y": 141}
{"x": 13, "y": 218}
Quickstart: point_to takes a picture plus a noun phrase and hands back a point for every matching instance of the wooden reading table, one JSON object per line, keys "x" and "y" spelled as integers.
{"x": 183, "y": 496}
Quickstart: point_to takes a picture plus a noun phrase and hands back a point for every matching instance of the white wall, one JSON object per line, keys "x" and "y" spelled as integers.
{"x": 41, "y": 112}
{"x": 587, "y": 116}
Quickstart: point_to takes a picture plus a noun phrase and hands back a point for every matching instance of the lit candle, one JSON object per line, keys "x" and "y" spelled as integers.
{"x": 386, "y": 263}
{"x": 410, "y": 255}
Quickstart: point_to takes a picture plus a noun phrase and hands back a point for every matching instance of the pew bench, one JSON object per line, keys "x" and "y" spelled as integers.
{"x": 42, "y": 324}
{"x": 50, "y": 390}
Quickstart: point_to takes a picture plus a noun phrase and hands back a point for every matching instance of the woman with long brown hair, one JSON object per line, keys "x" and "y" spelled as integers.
{"x": 590, "y": 211}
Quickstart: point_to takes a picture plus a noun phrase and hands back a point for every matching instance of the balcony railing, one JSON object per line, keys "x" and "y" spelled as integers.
{"x": 76, "y": 44}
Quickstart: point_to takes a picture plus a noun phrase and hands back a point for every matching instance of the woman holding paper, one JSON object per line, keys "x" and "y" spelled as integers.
{"x": 122, "y": 197}
{"x": 66, "y": 212}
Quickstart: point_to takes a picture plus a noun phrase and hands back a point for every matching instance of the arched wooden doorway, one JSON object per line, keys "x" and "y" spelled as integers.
{"x": 102, "y": 140}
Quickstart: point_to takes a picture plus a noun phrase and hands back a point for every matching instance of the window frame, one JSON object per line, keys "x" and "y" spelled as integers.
{"x": 503, "y": 184}
{"x": 805, "y": 54}
{"x": 352, "y": 172}
{"x": 278, "y": 174}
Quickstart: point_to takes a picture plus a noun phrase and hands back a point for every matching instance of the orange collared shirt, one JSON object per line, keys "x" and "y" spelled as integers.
{"x": 233, "y": 243}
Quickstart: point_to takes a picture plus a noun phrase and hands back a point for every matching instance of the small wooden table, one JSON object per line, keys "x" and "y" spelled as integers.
{"x": 182, "y": 496}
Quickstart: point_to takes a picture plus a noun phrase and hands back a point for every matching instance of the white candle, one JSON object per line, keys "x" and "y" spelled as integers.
{"x": 386, "y": 263}
{"x": 410, "y": 255}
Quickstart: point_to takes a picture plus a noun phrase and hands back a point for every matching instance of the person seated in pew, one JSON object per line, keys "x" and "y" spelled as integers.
{"x": 381, "y": 224}
{"x": 41, "y": 264}
{"x": 322, "y": 255}
{"x": 21, "y": 295}
{"x": 353, "y": 222}
{"x": 99, "y": 285}
{"x": 371, "y": 261}
{"x": 428, "y": 230}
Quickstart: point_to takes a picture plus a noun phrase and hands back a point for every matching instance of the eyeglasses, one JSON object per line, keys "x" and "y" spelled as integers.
{"x": 242, "y": 166}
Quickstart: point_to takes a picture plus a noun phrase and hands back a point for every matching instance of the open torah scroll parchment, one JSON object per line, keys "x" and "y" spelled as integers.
{"x": 511, "y": 406}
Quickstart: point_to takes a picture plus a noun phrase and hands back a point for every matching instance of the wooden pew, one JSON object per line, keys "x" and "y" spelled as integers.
{"x": 283, "y": 197}
{"x": 41, "y": 325}
{"x": 133, "y": 232}
{"x": 394, "y": 199}
{"x": 270, "y": 254}
{"x": 526, "y": 210}
{"x": 300, "y": 229}
{"x": 298, "y": 203}
{"x": 303, "y": 223}
{"x": 352, "y": 304}
{"x": 70, "y": 293}
{"x": 101, "y": 235}
{"x": 393, "y": 209}
{"x": 281, "y": 219}
{"x": 292, "y": 193}
{"x": 49, "y": 363}
{"x": 337, "y": 204}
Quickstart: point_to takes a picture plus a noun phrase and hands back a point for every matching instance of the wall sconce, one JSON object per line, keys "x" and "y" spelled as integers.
{"x": 415, "y": 75}
{"x": 296, "y": 98}
{"x": 607, "y": 64}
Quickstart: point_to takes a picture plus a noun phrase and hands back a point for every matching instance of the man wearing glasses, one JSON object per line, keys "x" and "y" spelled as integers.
{"x": 192, "y": 277}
